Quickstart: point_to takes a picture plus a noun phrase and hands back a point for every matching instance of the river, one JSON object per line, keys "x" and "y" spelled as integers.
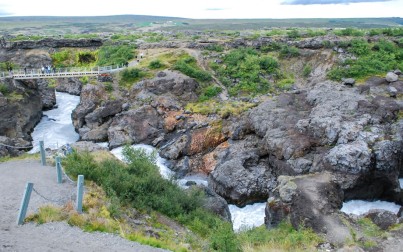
{"x": 56, "y": 129}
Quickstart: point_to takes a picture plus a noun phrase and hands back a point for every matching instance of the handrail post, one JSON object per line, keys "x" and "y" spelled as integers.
{"x": 80, "y": 188}
{"x": 59, "y": 170}
{"x": 42, "y": 150}
{"x": 24, "y": 203}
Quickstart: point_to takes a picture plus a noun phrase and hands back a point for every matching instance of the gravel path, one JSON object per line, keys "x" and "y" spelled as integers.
{"x": 56, "y": 236}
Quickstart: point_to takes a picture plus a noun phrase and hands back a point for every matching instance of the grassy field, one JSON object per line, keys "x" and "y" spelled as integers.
{"x": 129, "y": 23}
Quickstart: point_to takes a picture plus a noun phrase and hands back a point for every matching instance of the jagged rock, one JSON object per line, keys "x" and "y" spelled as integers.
{"x": 392, "y": 91}
{"x": 382, "y": 218}
{"x": 216, "y": 204}
{"x": 397, "y": 72}
{"x": 176, "y": 149}
{"x": 72, "y": 86}
{"x": 175, "y": 84}
{"x": 241, "y": 175}
{"x": 19, "y": 116}
{"x": 97, "y": 134}
{"x": 103, "y": 113}
{"x": 140, "y": 125}
{"x": 53, "y": 43}
{"x": 348, "y": 82}
{"x": 350, "y": 158}
{"x": 312, "y": 201}
{"x": 13, "y": 146}
{"x": 91, "y": 97}
{"x": 391, "y": 77}
{"x": 87, "y": 146}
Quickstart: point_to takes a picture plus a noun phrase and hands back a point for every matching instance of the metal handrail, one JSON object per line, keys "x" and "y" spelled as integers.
{"x": 59, "y": 72}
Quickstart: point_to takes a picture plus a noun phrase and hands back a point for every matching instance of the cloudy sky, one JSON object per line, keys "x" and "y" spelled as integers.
{"x": 206, "y": 8}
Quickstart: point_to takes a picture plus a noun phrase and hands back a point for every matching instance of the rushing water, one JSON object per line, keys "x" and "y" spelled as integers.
{"x": 401, "y": 182}
{"x": 358, "y": 207}
{"x": 56, "y": 127}
{"x": 242, "y": 218}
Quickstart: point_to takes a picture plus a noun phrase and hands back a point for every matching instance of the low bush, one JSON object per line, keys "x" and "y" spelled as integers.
{"x": 289, "y": 51}
{"x": 130, "y": 75}
{"x": 115, "y": 55}
{"x": 189, "y": 67}
{"x": 155, "y": 64}
{"x": 209, "y": 92}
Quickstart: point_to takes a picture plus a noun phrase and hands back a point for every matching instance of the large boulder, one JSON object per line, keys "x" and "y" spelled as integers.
{"x": 140, "y": 125}
{"x": 69, "y": 85}
{"x": 216, "y": 204}
{"x": 311, "y": 201}
{"x": 170, "y": 83}
{"x": 391, "y": 77}
{"x": 242, "y": 174}
{"x": 382, "y": 218}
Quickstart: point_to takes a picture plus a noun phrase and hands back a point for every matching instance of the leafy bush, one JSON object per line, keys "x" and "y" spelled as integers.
{"x": 349, "y": 32}
{"x": 307, "y": 70}
{"x": 285, "y": 84}
{"x": 4, "y": 89}
{"x": 115, "y": 55}
{"x": 64, "y": 58}
{"x": 130, "y": 75}
{"x": 244, "y": 71}
{"x": 155, "y": 64}
{"x": 383, "y": 57}
{"x": 209, "y": 92}
{"x": 86, "y": 58}
{"x": 215, "y": 48}
{"x": 139, "y": 184}
{"x": 293, "y": 34}
{"x": 189, "y": 67}
{"x": 289, "y": 51}
{"x": 359, "y": 47}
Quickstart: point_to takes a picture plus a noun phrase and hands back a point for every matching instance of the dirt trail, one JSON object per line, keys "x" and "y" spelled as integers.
{"x": 57, "y": 236}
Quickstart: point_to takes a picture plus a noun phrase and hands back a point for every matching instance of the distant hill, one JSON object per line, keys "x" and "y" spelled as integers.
{"x": 123, "y": 23}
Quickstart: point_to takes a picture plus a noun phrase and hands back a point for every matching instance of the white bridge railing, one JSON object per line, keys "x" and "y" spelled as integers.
{"x": 21, "y": 74}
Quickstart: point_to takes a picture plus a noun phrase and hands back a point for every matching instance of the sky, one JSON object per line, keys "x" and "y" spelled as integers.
{"x": 209, "y": 9}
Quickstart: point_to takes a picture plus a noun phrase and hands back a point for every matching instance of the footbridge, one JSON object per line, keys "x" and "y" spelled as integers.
{"x": 25, "y": 74}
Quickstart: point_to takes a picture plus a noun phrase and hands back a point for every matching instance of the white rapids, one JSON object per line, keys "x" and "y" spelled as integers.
{"x": 359, "y": 207}
{"x": 56, "y": 127}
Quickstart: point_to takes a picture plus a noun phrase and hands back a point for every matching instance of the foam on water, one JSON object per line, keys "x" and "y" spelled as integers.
{"x": 401, "y": 182}
{"x": 56, "y": 127}
{"x": 358, "y": 207}
{"x": 248, "y": 216}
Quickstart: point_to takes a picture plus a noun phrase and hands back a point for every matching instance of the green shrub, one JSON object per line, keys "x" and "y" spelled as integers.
{"x": 130, "y": 75}
{"x": 215, "y": 48}
{"x": 244, "y": 70}
{"x": 155, "y": 64}
{"x": 4, "y": 89}
{"x": 63, "y": 58}
{"x": 209, "y": 92}
{"x": 289, "y": 51}
{"x": 108, "y": 87}
{"x": 349, "y": 32}
{"x": 86, "y": 58}
{"x": 285, "y": 84}
{"x": 307, "y": 70}
{"x": 293, "y": 34}
{"x": 189, "y": 67}
{"x": 115, "y": 55}
{"x": 359, "y": 47}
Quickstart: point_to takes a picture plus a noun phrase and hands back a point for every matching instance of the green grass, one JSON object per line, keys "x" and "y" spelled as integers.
{"x": 224, "y": 109}
{"x": 21, "y": 157}
{"x": 282, "y": 238}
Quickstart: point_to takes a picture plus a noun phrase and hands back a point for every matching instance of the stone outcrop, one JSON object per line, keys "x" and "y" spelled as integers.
{"x": 20, "y": 110}
{"x": 52, "y": 43}
{"x": 72, "y": 86}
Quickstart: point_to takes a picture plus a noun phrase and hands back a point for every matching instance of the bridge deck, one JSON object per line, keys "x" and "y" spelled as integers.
{"x": 21, "y": 74}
